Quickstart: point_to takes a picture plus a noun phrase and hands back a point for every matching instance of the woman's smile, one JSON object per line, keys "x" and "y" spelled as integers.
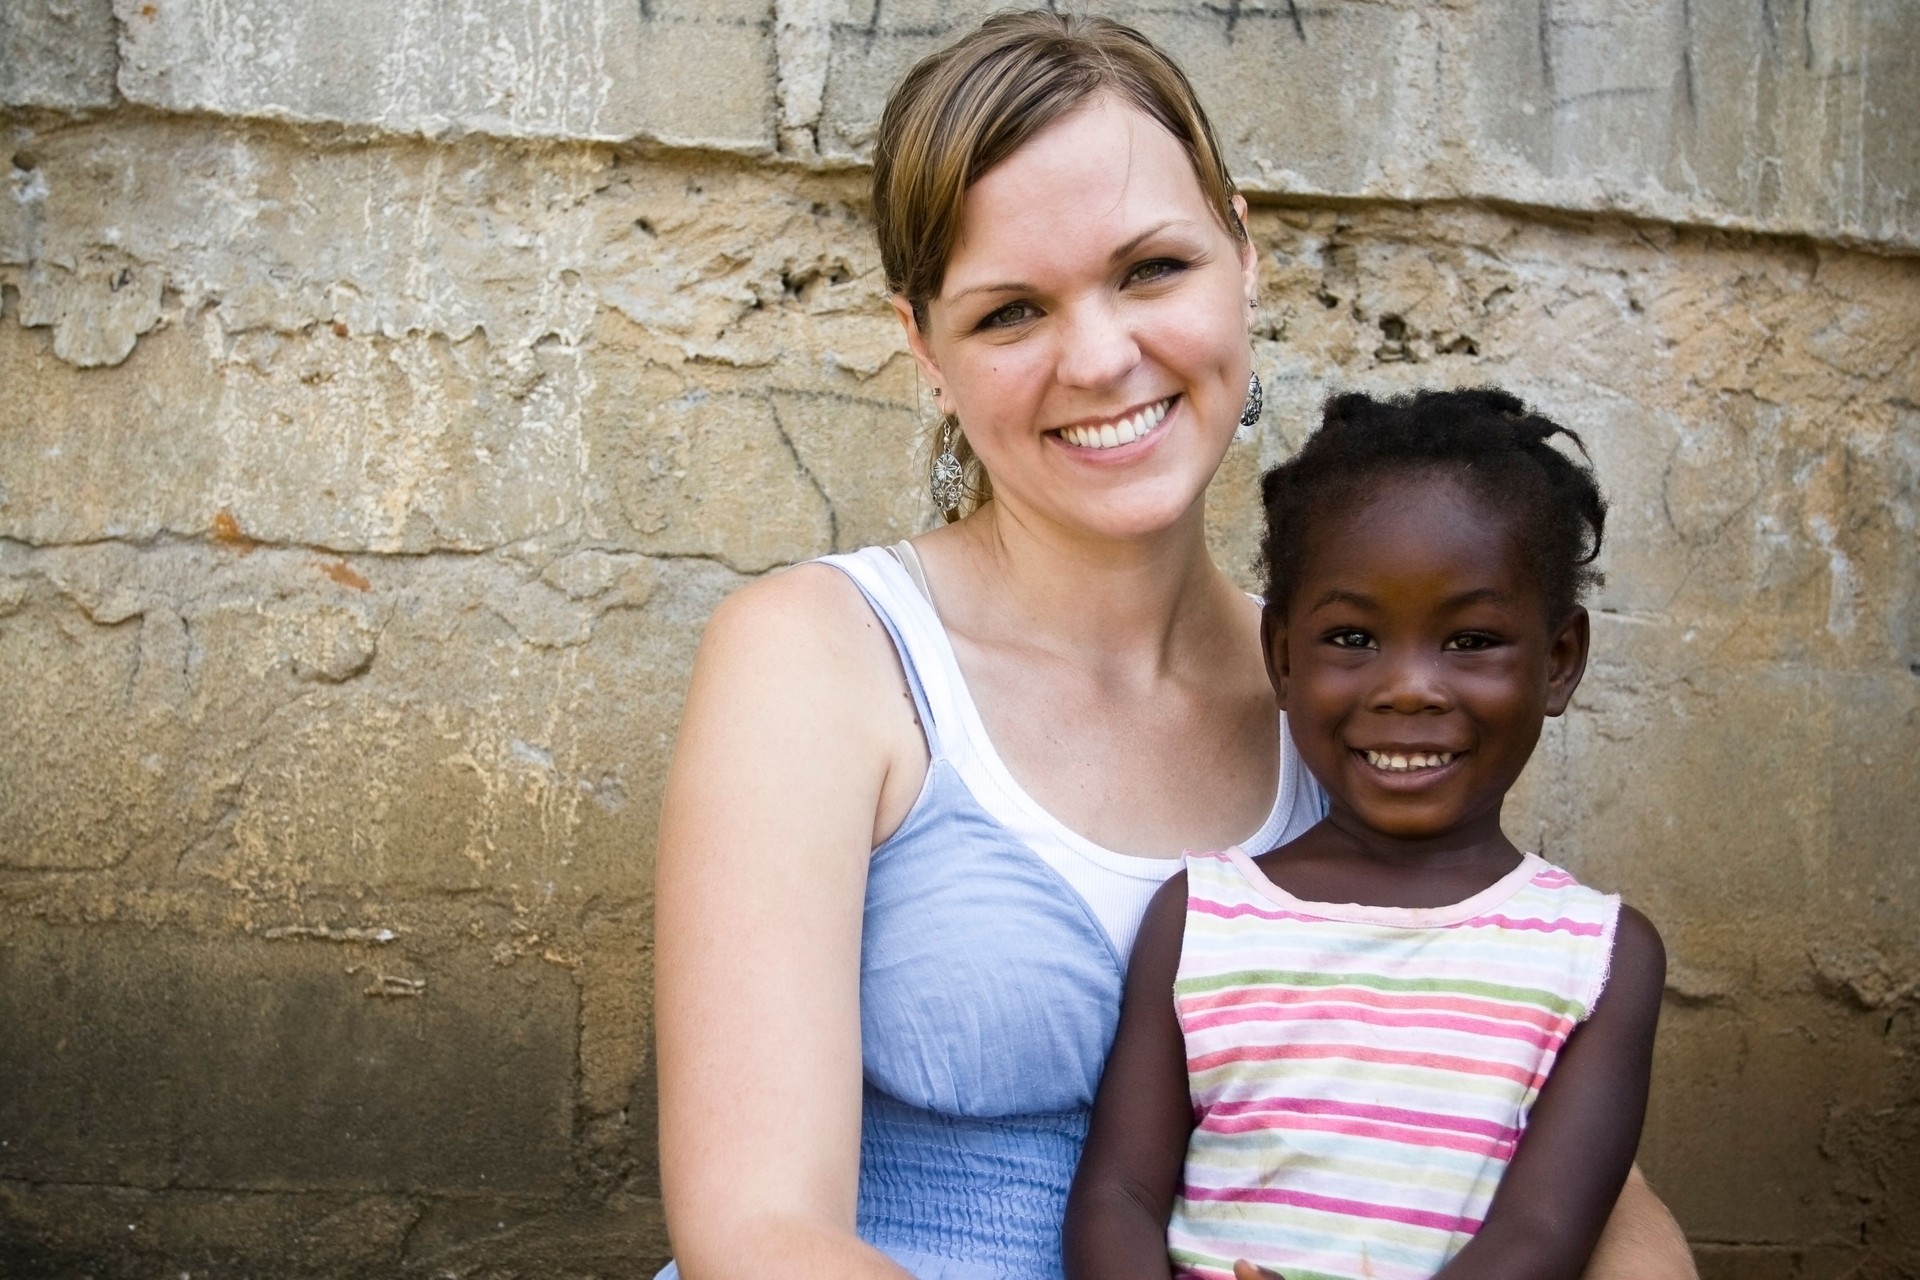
{"x": 1113, "y": 433}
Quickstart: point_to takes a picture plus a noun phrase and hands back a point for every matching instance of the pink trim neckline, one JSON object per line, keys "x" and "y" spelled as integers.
{"x": 1531, "y": 865}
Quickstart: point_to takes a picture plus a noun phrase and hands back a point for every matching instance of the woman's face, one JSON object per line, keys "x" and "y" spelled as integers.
{"x": 1091, "y": 331}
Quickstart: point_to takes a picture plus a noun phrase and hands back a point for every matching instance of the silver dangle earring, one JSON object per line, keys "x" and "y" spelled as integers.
{"x": 1256, "y": 403}
{"x": 948, "y": 476}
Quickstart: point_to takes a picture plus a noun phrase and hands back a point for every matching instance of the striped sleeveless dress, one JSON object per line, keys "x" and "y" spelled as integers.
{"x": 1362, "y": 1075}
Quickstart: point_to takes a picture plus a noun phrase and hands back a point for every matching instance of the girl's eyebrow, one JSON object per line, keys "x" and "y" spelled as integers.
{"x": 1360, "y": 600}
{"x": 1479, "y": 595}
{"x": 1011, "y": 286}
{"x": 1341, "y": 596}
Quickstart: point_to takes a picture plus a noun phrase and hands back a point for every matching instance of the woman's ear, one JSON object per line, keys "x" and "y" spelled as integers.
{"x": 917, "y": 344}
{"x": 1249, "y": 258}
{"x": 1273, "y": 649}
{"x": 1567, "y": 659}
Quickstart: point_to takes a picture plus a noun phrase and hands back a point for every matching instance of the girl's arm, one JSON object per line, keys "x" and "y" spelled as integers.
{"x": 1566, "y": 1177}
{"x": 1130, "y": 1172}
{"x": 790, "y": 747}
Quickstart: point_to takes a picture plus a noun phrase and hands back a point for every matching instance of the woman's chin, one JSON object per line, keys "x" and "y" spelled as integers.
{"x": 1138, "y": 513}
{"x": 1171, "y": 502}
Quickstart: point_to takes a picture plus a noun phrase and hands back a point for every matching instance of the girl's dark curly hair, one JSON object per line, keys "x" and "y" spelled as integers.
{"x": 1484, "y": 437}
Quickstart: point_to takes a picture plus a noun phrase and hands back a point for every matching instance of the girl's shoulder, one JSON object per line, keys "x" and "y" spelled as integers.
{"x": 1547, "y": 884}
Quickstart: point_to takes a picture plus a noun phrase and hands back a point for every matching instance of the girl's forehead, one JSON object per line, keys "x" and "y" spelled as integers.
{"x": 1419, "y": 524}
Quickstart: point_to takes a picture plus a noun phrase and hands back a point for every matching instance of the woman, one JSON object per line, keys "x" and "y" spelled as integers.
{"x": 920, "y": 796}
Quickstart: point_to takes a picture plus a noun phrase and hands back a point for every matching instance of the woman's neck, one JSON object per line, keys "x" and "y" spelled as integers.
{"x": 1119, "y": 603}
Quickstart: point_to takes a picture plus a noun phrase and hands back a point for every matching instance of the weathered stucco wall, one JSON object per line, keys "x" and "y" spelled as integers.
{"x": 388, "y": 392}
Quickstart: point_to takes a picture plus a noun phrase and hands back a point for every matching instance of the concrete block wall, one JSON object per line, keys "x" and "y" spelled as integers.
{"x": 388, "y": 392}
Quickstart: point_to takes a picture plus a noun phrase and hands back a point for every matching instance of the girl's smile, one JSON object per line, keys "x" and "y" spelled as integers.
{"x": 1416, "y": 661}
{"x": 1409, "y": 767}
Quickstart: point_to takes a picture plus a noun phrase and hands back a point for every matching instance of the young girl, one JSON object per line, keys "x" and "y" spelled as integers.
{"x": 1351, "y": 1078}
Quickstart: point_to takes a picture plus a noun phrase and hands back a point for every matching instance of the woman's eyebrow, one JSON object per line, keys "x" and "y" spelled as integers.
{"x": 1011, "y": 286}
{"x": 1126, "y": 250}
{"x": 1123, "y": 251}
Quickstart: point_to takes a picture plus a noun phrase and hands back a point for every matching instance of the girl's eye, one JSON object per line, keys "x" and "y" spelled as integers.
{"x": 1156, "y": 271}
{"x": 1470, "y": 641}
{"x": 1350, "y": 639}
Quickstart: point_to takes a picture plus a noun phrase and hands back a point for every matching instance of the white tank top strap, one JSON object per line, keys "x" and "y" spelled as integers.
{"x": 910, "y": 561}
{"x": 906, "y": 615}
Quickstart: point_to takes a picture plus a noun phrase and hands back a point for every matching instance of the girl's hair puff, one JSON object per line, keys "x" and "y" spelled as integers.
{"x": 1484, "y": 437}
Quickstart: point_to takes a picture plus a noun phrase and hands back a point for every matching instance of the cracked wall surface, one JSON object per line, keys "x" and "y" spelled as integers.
{"x": 388, "y": 393}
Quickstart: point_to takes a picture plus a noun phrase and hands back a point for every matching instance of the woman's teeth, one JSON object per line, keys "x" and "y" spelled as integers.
{"x": 1409, "y": 762}
{"x": 1114, "y": 434}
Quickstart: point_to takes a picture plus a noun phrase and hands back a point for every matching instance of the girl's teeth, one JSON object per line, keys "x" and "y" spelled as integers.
{"x": 1406, "y": 763}
{"x": 1125, "y": 431}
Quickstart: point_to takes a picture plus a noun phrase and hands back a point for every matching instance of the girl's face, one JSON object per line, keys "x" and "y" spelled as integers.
{"x": 1091, "y": 331}
{"x": 1415, "y": 662}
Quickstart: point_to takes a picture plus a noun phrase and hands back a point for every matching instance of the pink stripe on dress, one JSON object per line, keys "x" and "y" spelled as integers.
{"x": 1402, "y": 1135}
{"x": 1377, "y": 1018}
{"x": 1355, "y": 1053}
{"x": 1531, "y": 1015}
{"x": 1366, "y": 1111}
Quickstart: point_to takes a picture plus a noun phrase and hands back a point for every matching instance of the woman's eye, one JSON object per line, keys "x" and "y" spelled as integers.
{"x": 1011, "y": 314}
{"x": 1155, "y": 271}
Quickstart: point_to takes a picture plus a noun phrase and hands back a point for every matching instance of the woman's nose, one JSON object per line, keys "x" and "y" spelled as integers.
{"x": 1097, "y": 347}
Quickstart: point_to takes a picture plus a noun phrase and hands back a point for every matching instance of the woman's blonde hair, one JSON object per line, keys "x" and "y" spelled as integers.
{"x": 964, "y": 109}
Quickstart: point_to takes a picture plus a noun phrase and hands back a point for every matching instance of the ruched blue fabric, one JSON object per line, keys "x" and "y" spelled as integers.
{"x": 988, "y": 1000}
{"x": 989, "y": 995}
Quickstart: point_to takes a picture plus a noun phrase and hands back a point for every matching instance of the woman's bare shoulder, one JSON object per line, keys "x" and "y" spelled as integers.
{"x": 810, "y": 616}
{"x": 797, "y": 688}
{"x": 803, "y": 644}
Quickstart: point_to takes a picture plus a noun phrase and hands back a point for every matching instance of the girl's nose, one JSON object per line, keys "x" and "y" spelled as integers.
{"x": 1410, "y": 684}
{"x": 1097, "y": 347}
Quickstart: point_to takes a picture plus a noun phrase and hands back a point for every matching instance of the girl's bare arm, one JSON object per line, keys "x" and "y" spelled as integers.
{"x": 1123, "y": 1193}
{"x": 796, "y": 734}
{"x": 1565, "y": 1179}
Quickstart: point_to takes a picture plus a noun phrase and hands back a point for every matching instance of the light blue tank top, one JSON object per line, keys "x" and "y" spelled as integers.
{"x": 989, "y": 993}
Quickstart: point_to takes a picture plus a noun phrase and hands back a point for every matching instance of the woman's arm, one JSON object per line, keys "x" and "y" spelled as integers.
{"x": 1641, "y": 1241}
{"x": 790, "y": 738}
{"x": 1565, "y": 1179}
{"x": 1130, "y": 1171}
